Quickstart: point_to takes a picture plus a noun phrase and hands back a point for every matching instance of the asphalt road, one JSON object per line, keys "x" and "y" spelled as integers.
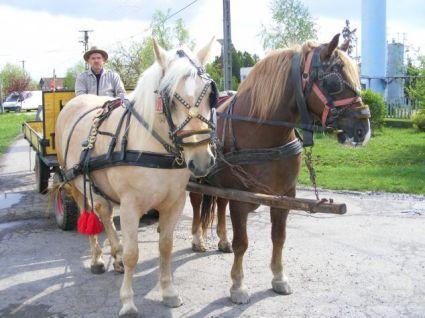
{"x": 367, "y": 263}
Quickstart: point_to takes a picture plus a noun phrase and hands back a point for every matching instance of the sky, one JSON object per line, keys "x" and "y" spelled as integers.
{"x": 45, "y": 34}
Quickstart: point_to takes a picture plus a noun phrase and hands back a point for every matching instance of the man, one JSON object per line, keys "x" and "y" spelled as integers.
{"x": 97, "y": 80}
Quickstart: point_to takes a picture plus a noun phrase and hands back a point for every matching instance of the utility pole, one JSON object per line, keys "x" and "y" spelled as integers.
{"x": 85, "y": 42}
{"x": 227, "y": 46}
{"x": 23, "y": 65}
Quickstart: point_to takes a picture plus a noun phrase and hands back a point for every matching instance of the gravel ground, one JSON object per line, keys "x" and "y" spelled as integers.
{"x": 367, "y": 263}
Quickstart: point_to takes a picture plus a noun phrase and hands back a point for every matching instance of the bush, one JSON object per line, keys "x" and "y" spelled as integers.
{"x": 418, "y": 119}
{"x": 377, "y": 107}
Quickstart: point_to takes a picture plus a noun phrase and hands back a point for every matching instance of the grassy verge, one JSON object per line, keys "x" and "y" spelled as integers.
{"x": 392, "y": 161}
{"x": 10, "y": 127}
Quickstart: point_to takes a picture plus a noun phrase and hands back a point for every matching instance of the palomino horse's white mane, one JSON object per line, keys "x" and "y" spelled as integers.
{"x": 153, "y": 79}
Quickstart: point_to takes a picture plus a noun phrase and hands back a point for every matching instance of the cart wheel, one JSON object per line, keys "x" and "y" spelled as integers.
{"x": 42, "y": 175}
{"x": 66, "y": 210}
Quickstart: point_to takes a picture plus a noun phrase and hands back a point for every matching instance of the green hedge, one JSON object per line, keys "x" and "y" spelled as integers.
{"x": 377, "y": 107}
{"x": 419, "y": 119}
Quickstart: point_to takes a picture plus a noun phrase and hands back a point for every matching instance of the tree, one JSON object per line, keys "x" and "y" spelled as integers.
{"x": 130, "y": 61}
{"x": 215, "y": 70}
{"x": 14, "y": 79}
{"x": 415, "y": 86}
{"x": 239, "y": 59}
{"x": 292, "y": 24}
{"x": 71, "y": 75}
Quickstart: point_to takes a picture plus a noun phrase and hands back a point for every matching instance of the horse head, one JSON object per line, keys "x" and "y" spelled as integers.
{"x": 332, "y": 86}
{"x": 187, "y": 99}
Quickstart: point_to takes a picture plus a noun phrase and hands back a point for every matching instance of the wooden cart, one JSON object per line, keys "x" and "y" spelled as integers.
{"x": 41, "y": 136}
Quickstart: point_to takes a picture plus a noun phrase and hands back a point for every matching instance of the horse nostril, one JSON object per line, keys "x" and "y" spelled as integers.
{"x": 359, "y": 133}
{"x": 191, "y": 165}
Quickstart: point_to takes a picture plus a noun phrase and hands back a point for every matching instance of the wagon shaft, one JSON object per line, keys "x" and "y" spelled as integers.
{"x": 283, "y": 202}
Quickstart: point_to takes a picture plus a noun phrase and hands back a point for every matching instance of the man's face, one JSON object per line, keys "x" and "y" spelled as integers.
{"x": 96, "y": 61}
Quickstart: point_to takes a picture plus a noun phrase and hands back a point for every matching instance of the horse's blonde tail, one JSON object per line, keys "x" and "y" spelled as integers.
{"x": 54, "y": 191}
{"x": 208, "y": 211}
{"x": 52, "y": 194}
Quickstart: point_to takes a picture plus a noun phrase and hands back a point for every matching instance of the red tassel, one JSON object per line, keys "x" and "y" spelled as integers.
{"x": 82, "y": 221}
{"x": 94, "y": 226}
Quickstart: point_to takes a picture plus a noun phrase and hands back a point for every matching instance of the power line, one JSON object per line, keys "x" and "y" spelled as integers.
{"x": 182, "y": 9}
{"x": 150, "y": 27}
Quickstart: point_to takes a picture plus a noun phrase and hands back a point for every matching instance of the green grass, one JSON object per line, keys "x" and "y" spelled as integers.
{"x": 392, "y": 161}
{"x": 10, "y": 127}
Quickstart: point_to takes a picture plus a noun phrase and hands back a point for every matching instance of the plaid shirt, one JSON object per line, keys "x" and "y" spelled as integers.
{"x": 110, "y": 84}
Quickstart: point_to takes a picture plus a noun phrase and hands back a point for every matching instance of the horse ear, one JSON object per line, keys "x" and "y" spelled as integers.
{"x": 330, "y": 47}
{"x": 160, "y": 54}
{"x": 344, "y": 46}
{"x": 204, "y": 53}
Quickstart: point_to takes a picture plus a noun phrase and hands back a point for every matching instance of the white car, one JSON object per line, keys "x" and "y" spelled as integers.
{"x": 26, "y": 100}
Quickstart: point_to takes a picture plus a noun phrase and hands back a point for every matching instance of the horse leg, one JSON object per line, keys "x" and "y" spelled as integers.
{"x": 198, "y": 244}
{"x": 223, "y": 244}
{"x": 239, "y": 213}
{"x": 129, "y": 217}
{"x": 97, "y": 264}
{"x": 167, "y": 221}
{"x": 280, "y": 280}
{"x": 106, "y": 215}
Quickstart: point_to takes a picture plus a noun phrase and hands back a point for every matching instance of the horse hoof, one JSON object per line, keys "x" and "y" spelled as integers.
{"x": 281, "y": 287}
{"x": 97, "y": 269}
{"x": 199, "y": 248}
{"x": 119, "y": 267}
{"x": 128, "y": 310}
{"x": 225, "y": 247}
{"x": 172, "y": 302}
{"x": 239, "y": 296}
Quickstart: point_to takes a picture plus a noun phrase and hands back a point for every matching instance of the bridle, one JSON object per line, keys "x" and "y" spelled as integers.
{"x": 178, "y": 134}
{"x": 326, "y": 84}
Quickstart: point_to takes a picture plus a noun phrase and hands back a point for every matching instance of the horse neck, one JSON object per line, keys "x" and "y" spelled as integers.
{"x": 266, "y": 135}
{"x": 144, "y": 104}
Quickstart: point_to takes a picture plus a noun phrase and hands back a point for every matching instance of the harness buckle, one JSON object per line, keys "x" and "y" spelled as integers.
{"x": 179, "y": 159}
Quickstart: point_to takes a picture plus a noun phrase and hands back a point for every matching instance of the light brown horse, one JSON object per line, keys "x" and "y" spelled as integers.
{"x": 331, "y": 90}
{"x": 138, "y": 189}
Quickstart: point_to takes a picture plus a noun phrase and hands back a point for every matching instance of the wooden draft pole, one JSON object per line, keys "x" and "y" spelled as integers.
{"x": 282, "y": 202}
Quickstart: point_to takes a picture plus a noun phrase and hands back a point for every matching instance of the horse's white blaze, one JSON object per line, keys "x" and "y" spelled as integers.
{"x": 191, "y": 88}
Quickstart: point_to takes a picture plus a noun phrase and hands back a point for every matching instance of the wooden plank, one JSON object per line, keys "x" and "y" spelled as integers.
{"x": 283, "y": 202}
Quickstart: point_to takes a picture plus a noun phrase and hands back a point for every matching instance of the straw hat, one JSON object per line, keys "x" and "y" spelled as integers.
{"x": 94, "y": 49}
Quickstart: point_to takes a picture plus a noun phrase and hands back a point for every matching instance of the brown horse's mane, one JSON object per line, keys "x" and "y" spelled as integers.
{"x": 267, "y": 80}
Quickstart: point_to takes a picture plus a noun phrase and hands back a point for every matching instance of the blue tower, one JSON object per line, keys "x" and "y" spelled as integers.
{"x": 374, "y": 44}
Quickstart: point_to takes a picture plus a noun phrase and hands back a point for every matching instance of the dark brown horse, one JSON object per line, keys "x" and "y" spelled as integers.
{"x": 328, "y": 83}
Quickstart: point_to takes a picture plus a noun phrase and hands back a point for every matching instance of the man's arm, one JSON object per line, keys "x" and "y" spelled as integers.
{"x": 80, "y": 85}
{"x": 119, "y": 86}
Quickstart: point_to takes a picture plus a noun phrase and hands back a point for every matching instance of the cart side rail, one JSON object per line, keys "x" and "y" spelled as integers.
{"x": 33, "y": 132}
